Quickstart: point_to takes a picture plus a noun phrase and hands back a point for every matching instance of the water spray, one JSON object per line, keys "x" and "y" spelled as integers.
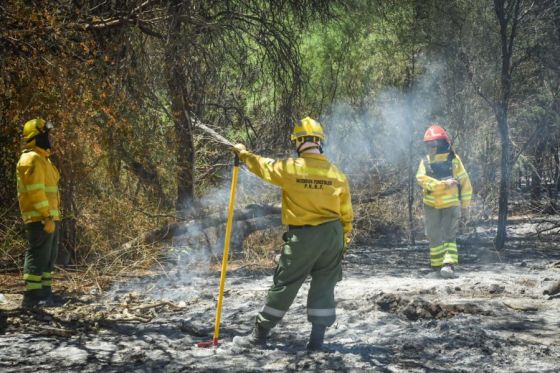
{"x": 227, "y": 239}
{"x": 222, "y": 140}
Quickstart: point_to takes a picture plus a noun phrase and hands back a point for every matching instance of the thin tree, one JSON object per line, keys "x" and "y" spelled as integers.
{"x": 507, "y": 14}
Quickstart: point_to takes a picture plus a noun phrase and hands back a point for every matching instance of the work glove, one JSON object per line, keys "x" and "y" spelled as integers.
{"x": 450, "y": 182}
{"x": 49, "y": 225}
{"x": 347, "y": 241}
{"x": 238, "y": 148}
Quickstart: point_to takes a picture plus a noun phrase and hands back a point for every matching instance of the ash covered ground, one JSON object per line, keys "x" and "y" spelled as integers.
{"x": 391, "y": 317}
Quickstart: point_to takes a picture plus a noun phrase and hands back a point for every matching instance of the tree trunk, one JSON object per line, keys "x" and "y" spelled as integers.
{"x": 68, "y": 227}
{"x": 410, "y": 166}
{"x": 180, "y": 111}
{"x": 508, "y": 26}
{"x": 556, "y": 175}
{"x": 536, "y": 172}
{"x": 505, "y": 178}
{"x": 411, "y": 188}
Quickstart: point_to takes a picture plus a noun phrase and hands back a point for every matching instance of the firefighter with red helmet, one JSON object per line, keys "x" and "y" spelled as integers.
{"x": 447, "y": 193}
{"x": 317, "y": 208}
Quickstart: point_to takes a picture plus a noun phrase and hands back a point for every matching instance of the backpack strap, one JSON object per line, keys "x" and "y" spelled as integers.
{"x": 450, "y": 157}
{"x": 428, "y": 166}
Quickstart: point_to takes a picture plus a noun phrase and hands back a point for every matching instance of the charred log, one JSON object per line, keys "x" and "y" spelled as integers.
{"x": 209, "y": 230}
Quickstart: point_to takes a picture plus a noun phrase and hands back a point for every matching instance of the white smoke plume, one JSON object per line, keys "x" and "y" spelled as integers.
{"x": 386, "y": 129}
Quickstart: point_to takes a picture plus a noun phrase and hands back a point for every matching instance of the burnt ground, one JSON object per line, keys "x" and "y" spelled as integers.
{"x": 392, "y": 317}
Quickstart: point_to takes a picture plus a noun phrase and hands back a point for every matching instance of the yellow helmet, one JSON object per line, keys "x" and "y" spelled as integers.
{"x": 308, "y": 127}
{"x": 35, "y": 127}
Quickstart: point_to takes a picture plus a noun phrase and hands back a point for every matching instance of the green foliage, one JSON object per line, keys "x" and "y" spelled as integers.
{"x": 370, "y": 46}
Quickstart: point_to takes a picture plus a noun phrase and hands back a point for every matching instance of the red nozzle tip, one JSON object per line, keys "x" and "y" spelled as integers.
{"x": 213, "y": 342}
{"x": 204, "y": 344}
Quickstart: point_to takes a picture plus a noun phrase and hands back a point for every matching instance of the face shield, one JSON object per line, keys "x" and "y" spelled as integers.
{"x": 430, "y": 145}
{"x": 43, "y": 140}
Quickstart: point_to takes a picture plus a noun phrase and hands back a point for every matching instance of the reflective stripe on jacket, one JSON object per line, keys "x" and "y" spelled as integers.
{"x": 37, "y": 186}
{"x": 436, "y": 193}
{"x": 314, "y": 191}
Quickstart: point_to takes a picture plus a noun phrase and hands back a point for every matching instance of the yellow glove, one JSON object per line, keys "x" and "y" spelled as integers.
{"x": 450, "y": 182}
{"x": 48, "y": 225}
{"x": 347, "y": 241}
{"x": 238, "y": 148}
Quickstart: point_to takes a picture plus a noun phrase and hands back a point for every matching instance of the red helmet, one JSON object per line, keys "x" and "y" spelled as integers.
{"x": 436, "y": 132}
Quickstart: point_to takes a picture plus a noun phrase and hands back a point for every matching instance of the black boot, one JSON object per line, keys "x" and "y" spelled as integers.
{"x": 316, "y": 338}
{"x": 51, "y": 299}
{"x": 32, "y": 298}
{"x": 256, "y": 339}
{"x": 3, "y": 322}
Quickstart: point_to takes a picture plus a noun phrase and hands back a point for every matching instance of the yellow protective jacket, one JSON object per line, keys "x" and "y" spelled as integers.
{"x": 37, "y": 186}
{"x": 313, "y": 190}
{"x": 436, "y": 193}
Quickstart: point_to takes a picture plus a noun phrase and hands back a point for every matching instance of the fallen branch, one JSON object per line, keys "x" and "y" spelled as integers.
{"x": 48, "y": 331}
{"x": 155, "y": 305}
{"x": 205, "y": 229}
{"x": 208, "y": 231}
{"x": 132, "y": 317}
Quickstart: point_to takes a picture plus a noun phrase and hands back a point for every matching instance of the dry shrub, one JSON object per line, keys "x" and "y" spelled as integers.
{"x": 12, "y": 242}
{"x": 110, "y": 223}
{"x": 260, "y": 248}
{"x": 103, "y": 226}
{"x": 387, "y": 217}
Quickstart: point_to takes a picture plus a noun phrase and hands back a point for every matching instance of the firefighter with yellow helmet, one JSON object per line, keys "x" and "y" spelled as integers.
{"x": 317, "y": 209}
{"x": 447, "y": 194}
{"x": 39, "y": 200}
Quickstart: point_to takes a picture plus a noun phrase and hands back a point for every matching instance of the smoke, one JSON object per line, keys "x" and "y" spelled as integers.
{"x": 195, "y": 247}
{"x": 383, "y": 132}
{"x": 385, "y": 129}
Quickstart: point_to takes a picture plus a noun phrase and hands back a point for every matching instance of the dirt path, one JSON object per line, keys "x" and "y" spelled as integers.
{"x": 391, "y": 317}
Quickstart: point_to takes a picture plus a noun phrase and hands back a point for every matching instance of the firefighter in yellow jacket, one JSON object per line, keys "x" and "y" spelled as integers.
{"x": 39, "y": 199}
{"x": 447, "y": 194}
{"x": 317, "y": 209}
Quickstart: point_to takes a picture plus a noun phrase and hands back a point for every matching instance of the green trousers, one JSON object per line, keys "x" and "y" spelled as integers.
{"x": 315, "y": 251}
{"x": 40, "y": 256}
{"x": 441, "y": 229}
